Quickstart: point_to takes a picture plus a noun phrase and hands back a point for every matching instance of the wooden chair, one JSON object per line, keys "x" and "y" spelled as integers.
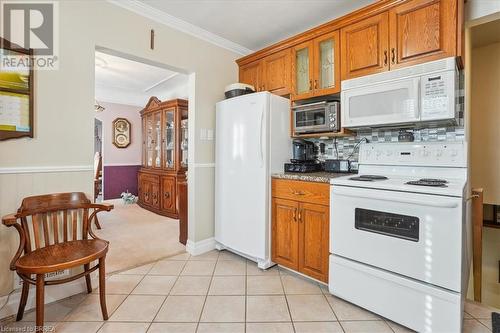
{"x": 54, "y": 234}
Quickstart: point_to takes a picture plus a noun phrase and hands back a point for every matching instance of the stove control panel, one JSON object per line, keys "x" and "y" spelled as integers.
{"x": 446, "y": 154}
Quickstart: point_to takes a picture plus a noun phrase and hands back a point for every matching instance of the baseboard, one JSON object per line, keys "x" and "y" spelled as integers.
{"x": 197, "y": 248}
{"x": 52, "y": 294}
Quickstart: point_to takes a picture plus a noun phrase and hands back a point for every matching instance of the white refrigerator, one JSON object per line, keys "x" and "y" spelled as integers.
{"x": 252, "y": 142}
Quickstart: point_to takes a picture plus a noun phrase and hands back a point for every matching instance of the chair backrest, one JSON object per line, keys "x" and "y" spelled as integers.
{"x": 97, "y": 165}
{"x": 53, "y": 218}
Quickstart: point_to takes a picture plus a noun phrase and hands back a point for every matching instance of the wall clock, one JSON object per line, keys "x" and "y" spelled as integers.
{"x": 121, "y": 132}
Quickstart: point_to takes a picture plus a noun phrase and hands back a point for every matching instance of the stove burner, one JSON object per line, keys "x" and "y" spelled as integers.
{"x": 433, "y": 180}
{"x": 428, "y": 182}
{"x": 368, "y": 178}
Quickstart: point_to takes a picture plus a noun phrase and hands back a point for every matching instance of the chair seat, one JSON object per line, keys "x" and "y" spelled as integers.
{"x": 62, "y": 256}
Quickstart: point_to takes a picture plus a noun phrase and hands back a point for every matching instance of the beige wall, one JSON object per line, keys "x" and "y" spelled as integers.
{"x": 485, "y": 121}
{"x": 64, "y": 110}
{"x": 485, "y": 153}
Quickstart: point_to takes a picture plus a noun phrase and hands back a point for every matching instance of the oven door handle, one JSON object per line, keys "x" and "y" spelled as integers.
{"x": 337, "y": 191}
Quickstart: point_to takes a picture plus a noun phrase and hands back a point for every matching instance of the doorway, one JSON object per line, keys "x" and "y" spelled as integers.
{"x": 124, "y": 88}
{"x": 484, "y": 113}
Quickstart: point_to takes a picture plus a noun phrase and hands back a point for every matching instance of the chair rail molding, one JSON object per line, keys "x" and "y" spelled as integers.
{"x": 46, "y": 169}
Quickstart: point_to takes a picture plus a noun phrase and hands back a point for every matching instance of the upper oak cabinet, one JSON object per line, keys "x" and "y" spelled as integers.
{"x": 276, "y": 73}
{"x": 365, "y": 47}
{"x": 422, "y": 30}
{"x": 269, "y": 74}
{"x": 316, "y": 67}
{"x": 382, "y": 36}
{"x": 252, "y": 74}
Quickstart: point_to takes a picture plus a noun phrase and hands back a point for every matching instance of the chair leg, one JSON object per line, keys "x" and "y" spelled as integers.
{"x": 86, "y": 267}
{"x": 96, "y": 221}
{"x": 40, "y": 289}
{"x": 22, "y": 302}
{"x": 102, "y": 287}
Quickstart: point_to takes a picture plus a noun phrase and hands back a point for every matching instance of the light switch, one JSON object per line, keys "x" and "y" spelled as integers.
{"x": 203, "y": 134}
{"x": 210, "y": 134}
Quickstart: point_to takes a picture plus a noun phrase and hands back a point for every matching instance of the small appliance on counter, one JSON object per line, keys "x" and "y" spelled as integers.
{"x": 303, "y": 151}
{"x": 238, "y": 89}
{"x": 303, "y": 167}
{"x": 304, "y": 158}
{"x": 337, "y": 165}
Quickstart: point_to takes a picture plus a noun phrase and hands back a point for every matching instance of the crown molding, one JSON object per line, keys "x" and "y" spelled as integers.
{"x": 159, "y": 16}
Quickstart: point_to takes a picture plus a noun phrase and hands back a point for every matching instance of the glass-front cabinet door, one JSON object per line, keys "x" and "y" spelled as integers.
{"x": 150, "y": 140}
{"x": 169, "y": 139}
{"x": 302, "y": 80}
{"x": 326, "y": 64}
{"x": 184, "y": 139}
{"x": 157, "y": 139}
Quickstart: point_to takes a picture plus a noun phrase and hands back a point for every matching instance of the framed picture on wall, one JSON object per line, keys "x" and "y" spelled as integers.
{"x": 121, "y": 132}
{"x": 16, "y": 91}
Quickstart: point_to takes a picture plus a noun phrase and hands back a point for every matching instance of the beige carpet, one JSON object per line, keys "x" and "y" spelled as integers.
{"x": 137, "y": 236}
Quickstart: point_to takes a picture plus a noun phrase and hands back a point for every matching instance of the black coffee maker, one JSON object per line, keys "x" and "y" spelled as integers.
{"x": 303, "y": 151}
{"x": 304, "y": 157}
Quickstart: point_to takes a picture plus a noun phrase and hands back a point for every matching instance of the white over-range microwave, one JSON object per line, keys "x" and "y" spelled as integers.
{"x": 409, "y": 96}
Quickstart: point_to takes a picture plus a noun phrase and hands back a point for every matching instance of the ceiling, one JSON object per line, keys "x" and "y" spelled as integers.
{"x": 123, "y": 81}
{"x": 485, "y": 34}
{"x": 255, "y": 24}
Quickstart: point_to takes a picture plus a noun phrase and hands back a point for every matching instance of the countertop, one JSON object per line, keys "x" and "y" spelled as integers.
{"x": 318, "y": 177}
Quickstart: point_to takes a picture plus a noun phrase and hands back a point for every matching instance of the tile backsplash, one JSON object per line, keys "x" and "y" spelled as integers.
{"x": 346, "y": 145}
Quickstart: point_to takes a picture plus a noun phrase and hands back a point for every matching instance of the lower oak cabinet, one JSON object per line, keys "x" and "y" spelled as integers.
{"x": 300, "y": 226}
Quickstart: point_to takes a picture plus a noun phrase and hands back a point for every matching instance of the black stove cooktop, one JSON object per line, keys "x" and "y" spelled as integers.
{"x": 368, "y": 178}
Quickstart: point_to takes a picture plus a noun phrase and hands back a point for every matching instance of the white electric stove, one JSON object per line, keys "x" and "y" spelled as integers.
{"x": 398, "y": 234}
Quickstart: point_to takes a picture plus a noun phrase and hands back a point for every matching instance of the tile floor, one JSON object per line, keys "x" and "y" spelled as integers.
{"x": 219, "y": 292}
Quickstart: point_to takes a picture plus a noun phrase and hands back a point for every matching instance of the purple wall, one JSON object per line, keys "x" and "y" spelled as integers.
{"x": 118, "y": 179}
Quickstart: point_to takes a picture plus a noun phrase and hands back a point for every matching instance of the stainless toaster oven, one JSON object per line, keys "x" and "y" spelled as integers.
{"x": 316, "y": 117}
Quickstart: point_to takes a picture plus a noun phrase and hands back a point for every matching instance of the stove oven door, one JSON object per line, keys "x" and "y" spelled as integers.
{"x": 415, "y": 235}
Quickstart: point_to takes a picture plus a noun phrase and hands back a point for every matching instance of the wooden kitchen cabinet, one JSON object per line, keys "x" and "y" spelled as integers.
{"x": 300, "y": 226}
{"x": 285, "y": 233}
{"x": 365, "y": 47}
{"x": 385, "y": 35}
{"x": 252, "y": 74}
{"x": 314, "y": 236}
{"x": 302, "y": 70}
{"x": 422, "y": 30}
{"x": 164, "y": 155}
{"x": 269, "y": 74}
{"x": 276, "y": 73}
{"x": 316, "y": 67}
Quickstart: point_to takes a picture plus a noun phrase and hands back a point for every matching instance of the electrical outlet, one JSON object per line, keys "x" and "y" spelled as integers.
{"x": 18, "y": 282}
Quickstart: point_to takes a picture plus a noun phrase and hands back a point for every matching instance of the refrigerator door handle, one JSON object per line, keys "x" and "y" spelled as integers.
{"x": 260, "y": 138}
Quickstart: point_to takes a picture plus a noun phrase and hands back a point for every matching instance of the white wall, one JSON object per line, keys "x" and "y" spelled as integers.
{"x": 476, "y": 9}
{"x": 64, "y": 111}
{"x": 111, "y": 155}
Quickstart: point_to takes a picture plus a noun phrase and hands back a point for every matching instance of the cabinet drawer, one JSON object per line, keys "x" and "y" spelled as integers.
{"x": 318, "y": 193}
{"x": 144, "y": 177}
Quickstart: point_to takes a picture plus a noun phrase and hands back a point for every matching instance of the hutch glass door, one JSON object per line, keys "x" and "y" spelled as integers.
{"x": 157, "y": 139}
{"x": 184, "y": 140}
{"x": 169, "y": 141}
{"x": 150, "y": 140}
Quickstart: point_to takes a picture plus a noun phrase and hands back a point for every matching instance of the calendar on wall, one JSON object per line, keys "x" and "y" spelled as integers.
{"x": 16, "y": 91}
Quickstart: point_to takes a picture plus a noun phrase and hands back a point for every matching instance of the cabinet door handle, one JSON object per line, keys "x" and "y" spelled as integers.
{"x": 300, "y": 215}
{"x": 295, "y": 215}
{"x": 310, "y": 84}
{"x": 167, "y": 195}
{"x": 393, "y": 55}
{"x": 298, "y": 193}
{"x": 315, "y": 84}
{"x": 385, "y": 58}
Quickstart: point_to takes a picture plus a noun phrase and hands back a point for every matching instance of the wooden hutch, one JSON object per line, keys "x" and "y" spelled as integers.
{"x": 164, "y": 155}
